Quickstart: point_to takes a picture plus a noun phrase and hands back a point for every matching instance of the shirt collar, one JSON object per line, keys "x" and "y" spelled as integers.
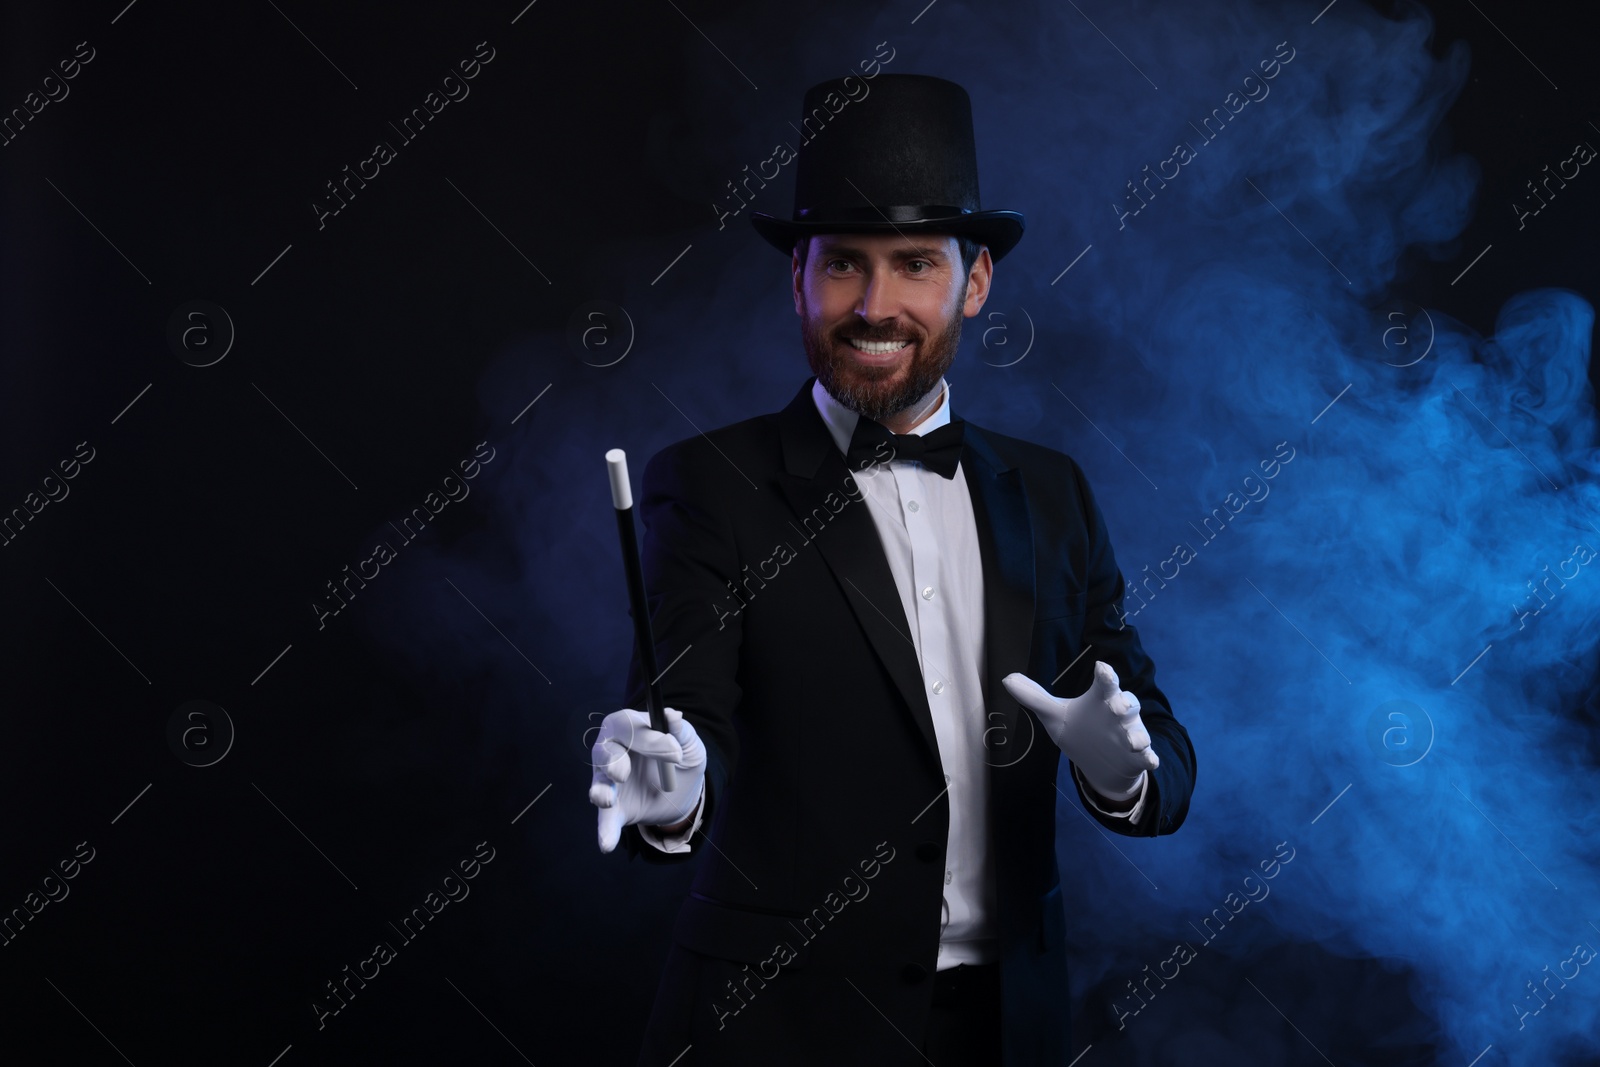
{"x": 841, "y": 421}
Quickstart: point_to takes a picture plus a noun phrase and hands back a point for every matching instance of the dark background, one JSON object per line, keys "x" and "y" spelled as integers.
{"x": 382, "y": 749}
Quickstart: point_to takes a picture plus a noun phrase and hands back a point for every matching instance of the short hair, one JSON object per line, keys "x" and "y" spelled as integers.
{"x": 967, "y": 246}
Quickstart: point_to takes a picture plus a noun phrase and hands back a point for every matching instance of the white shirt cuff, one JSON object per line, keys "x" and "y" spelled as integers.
{"x": 1132, "y": 815}
{"x": 678, "y": 842}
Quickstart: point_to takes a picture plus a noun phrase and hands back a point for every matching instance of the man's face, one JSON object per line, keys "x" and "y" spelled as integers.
{"x": 884, "y": 288}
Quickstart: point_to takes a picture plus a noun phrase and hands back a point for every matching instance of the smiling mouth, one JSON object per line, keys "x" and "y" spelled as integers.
{"x": 878, "y": 348}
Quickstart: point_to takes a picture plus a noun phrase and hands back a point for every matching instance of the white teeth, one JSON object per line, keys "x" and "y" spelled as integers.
{"x": 878, "y": 348}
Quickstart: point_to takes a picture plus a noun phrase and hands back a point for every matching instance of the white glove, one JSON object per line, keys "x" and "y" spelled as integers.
{"x": 626, "y": 790}
{"x": 1100, "y": 731}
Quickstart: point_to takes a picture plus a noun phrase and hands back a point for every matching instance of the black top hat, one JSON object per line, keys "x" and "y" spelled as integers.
{"x": 899, "y": 158}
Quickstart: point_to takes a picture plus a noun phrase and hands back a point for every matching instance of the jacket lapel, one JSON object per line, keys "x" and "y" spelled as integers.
{"x": 1005, "y": 542}
{"x": 852, "y": 550}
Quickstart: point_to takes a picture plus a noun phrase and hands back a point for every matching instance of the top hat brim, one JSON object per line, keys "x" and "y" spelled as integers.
{"x": 1000, "y": 230}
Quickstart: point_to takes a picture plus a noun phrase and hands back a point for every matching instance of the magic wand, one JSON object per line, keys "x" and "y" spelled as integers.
{"x": 622, "y": 500}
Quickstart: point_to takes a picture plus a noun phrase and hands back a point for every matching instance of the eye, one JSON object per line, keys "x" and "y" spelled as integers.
{"x": 924, "y": 262}
{"x": 830, "y": 264}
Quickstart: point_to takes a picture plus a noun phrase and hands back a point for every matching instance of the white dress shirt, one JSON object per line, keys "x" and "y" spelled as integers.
{"x": 930, "y": 539}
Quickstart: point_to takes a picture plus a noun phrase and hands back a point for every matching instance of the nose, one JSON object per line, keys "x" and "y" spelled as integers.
{"x": 879, "y": 301}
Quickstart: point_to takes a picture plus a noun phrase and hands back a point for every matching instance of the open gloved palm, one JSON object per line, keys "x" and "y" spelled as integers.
{"x": 1099, "y": 731}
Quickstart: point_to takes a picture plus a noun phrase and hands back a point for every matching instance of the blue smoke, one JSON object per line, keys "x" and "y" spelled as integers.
{"x": 1382, "y": 652}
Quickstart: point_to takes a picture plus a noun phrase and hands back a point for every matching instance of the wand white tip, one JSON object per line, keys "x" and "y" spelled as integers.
{"x": 621, "y": 491}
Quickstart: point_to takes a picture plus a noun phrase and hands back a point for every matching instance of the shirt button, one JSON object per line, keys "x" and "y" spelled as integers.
{"x": 938, "y": 687}
{"x": 912, "y": 505}
{"x": 927, "y": 593}
{"x": 948, "y": 877}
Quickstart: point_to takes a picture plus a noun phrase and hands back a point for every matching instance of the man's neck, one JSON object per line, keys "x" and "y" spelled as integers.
{"x": 928, "y": 413}
{"x": 915, "y": 415}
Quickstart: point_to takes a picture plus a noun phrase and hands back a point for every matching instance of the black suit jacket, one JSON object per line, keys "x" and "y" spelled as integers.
{"x": 811, "y": 932}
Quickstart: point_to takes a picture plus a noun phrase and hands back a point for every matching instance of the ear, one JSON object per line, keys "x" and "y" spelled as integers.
{"x": 796, "y": 270}
{"x": 978, "y": 283}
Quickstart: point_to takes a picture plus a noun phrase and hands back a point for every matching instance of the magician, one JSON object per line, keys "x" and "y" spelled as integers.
{"x": 882, "y": 627}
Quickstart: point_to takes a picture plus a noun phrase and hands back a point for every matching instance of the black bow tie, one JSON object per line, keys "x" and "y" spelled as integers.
{"x": 939, "y": 451}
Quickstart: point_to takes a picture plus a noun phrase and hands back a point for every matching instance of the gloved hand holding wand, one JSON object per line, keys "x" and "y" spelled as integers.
{"x": 660, "y": 734}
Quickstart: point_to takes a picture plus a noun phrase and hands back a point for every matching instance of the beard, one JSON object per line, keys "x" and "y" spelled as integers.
{"x": 875, "y": 392}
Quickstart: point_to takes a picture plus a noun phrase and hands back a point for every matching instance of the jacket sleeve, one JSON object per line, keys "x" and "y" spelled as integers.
{"x": 690, "y": 562}
{"x": 1117, "y": 643}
